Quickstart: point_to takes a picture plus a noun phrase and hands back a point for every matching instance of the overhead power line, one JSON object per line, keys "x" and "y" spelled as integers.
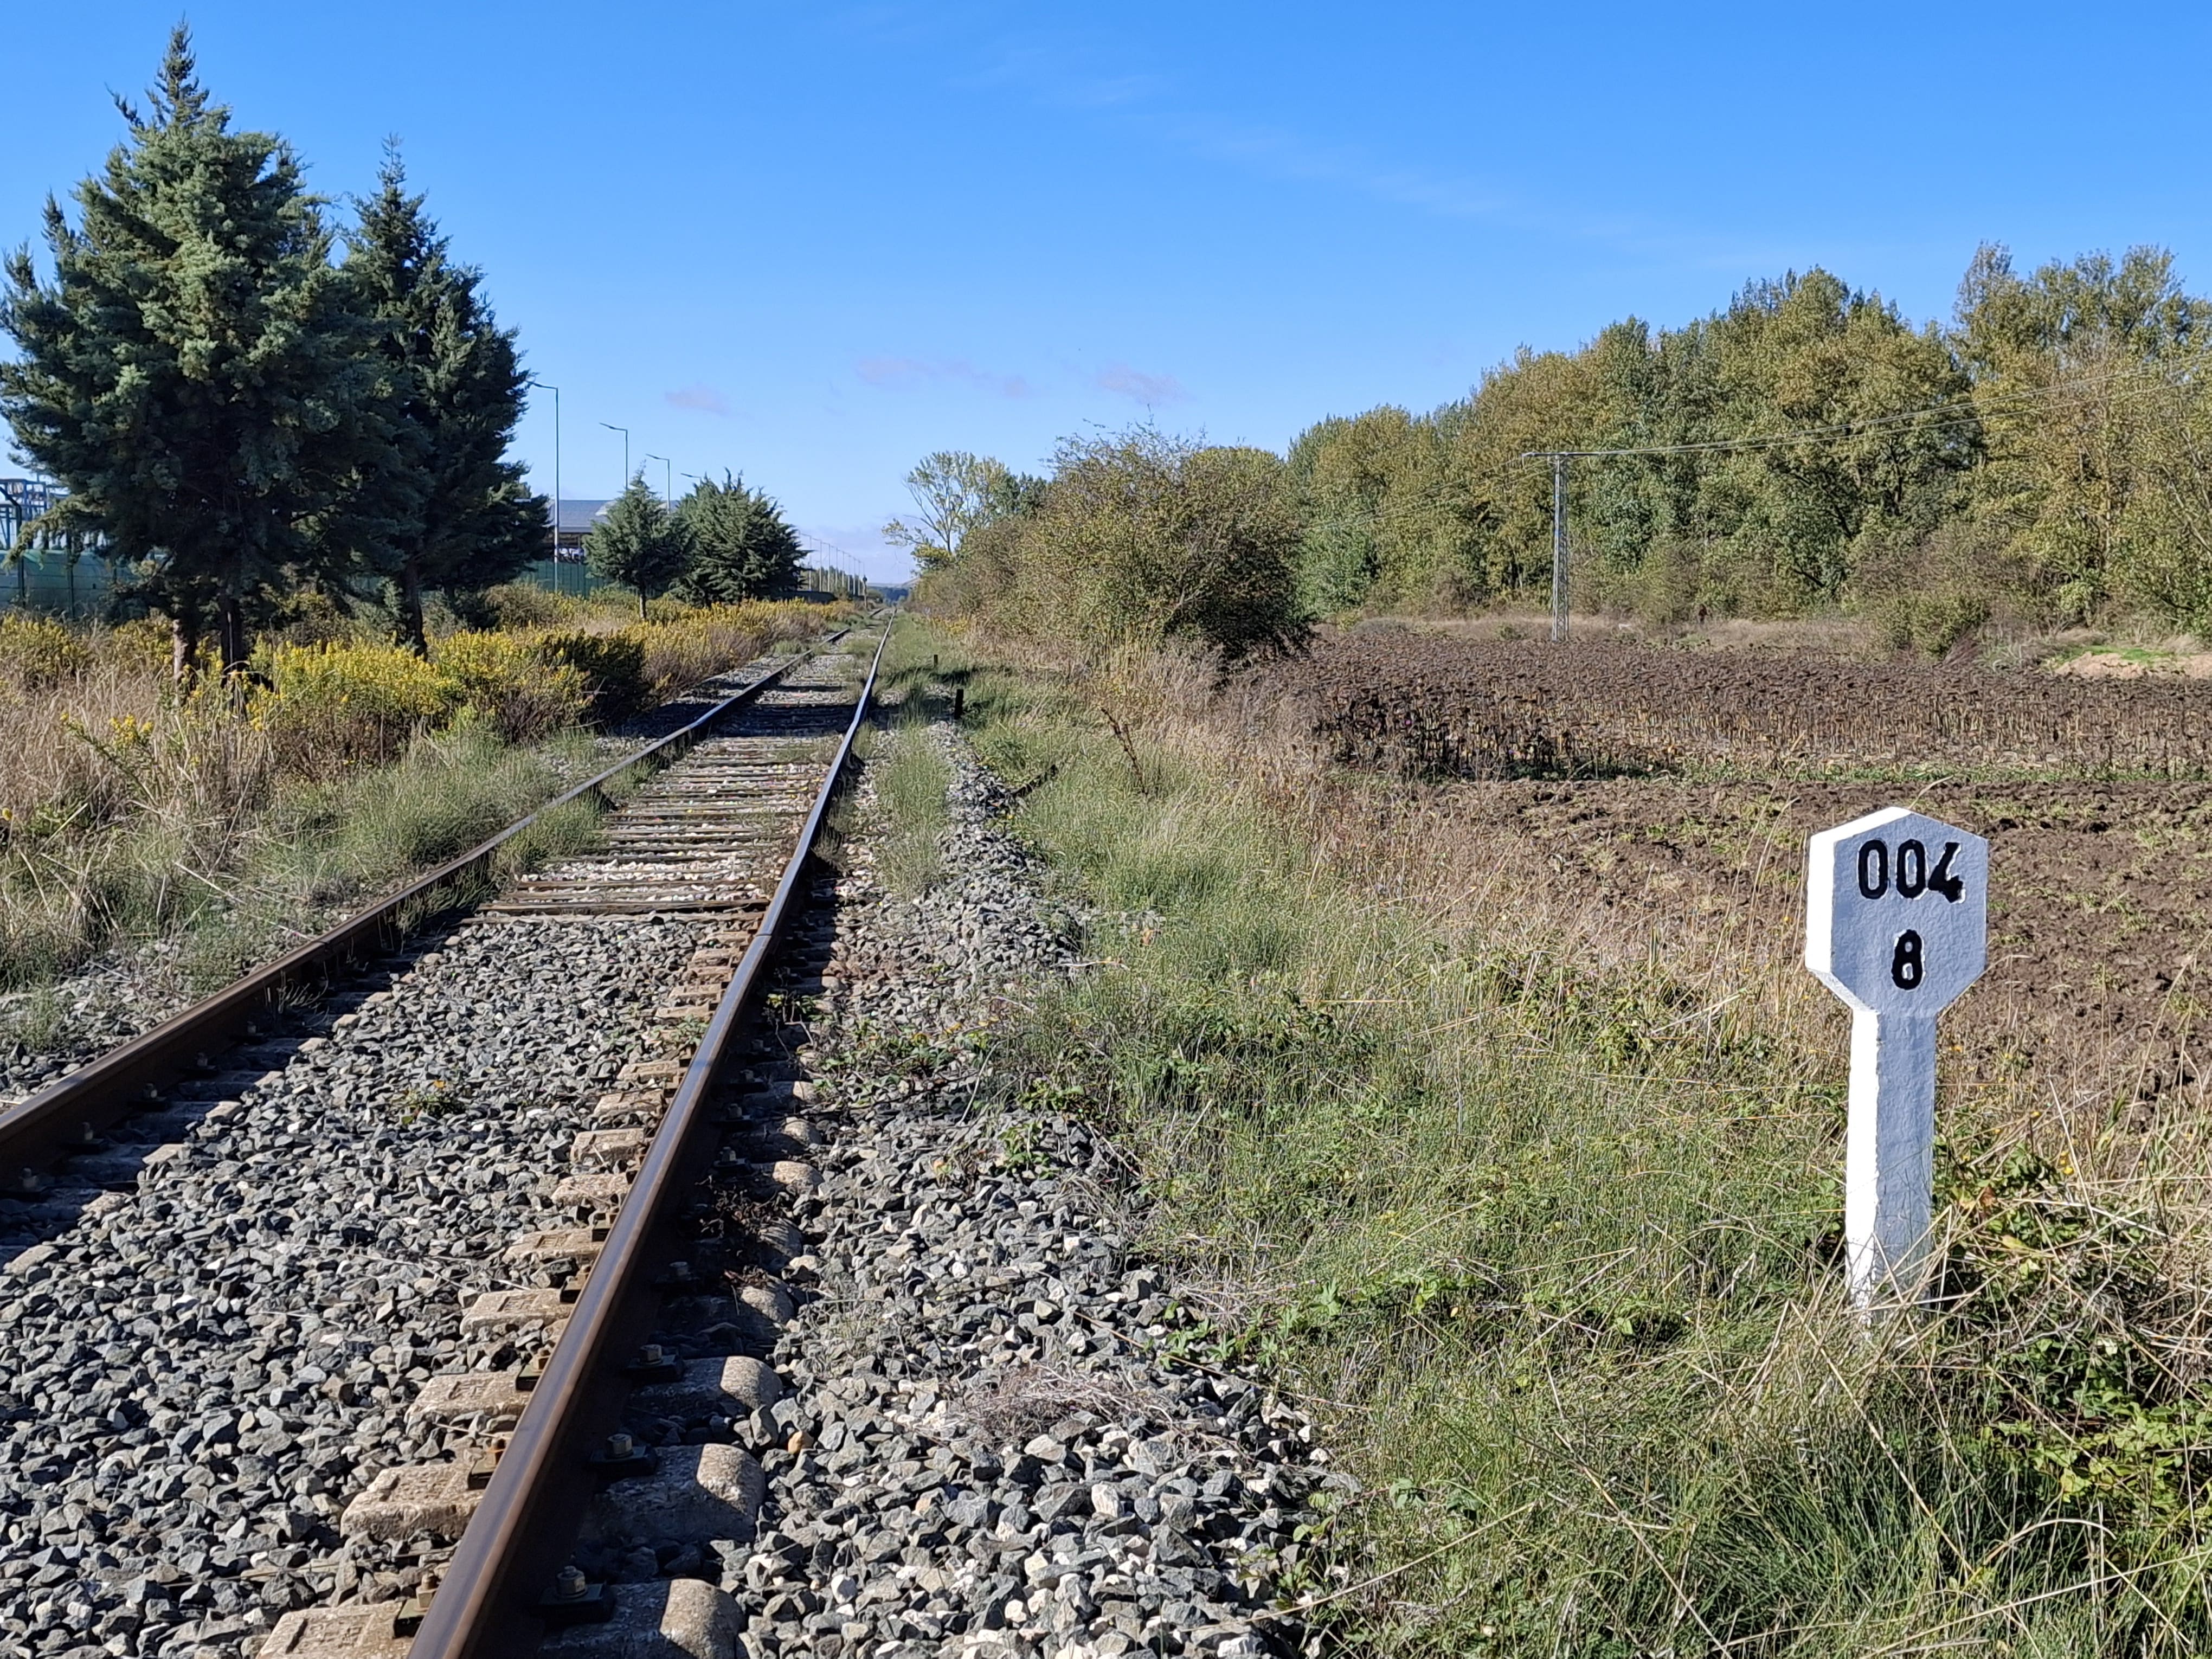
{"x": 1970, "y": 411}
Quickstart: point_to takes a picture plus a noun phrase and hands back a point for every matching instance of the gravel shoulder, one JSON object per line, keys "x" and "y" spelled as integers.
{"x": 985, "y": 1448}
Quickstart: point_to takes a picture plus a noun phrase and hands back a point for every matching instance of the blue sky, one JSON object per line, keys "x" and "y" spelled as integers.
{"x": 811, "y": 242}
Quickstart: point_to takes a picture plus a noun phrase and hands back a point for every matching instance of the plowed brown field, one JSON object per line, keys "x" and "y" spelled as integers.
{"x": 1712, "y": 770}
{"x": 1428, "y": 706}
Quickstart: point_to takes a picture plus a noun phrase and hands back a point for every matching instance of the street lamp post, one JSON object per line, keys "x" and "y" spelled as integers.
{"x": 624, "y": 430}
{"x": 667, "y": 479}
{"x": 555, "y": 390}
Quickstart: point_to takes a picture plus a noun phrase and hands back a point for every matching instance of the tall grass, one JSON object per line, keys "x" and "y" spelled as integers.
{"x": 130, "y": 810}
{"x": 1538, "y": 1207}
{"x": 324, "y": 848}
{"x": 912, "y": 776}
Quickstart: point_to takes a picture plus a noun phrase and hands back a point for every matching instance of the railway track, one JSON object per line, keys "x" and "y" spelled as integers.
{"x": 468, "y": 1311}
{"x": 173, "y": 1155}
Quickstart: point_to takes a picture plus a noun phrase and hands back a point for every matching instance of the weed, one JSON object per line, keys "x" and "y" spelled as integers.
{"x": 1021, "y": 1147}
{"x": 683, "y": 1036}
{"x": 1539, "y": 1213}
{"x": 34, "y": 1020}
{"x": 426, "y": 1104}
{"x": 912, "y": 780}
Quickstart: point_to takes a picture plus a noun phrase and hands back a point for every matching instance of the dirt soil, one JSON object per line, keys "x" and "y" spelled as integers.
{"x": 1679, "y": 788}
{"x": 2100, "y": 894}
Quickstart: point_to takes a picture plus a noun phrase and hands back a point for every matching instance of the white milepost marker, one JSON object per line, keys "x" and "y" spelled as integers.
{"x": 1896, "y": 923}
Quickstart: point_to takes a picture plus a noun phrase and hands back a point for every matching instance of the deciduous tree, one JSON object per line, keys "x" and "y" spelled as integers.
{"x": 954, "y": 492}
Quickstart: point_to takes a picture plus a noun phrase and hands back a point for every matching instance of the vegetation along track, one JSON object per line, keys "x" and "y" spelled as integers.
{"x": 324, "y": 1259}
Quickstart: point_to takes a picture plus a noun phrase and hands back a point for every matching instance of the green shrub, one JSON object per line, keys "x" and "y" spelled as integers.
{"x": 613, "y": 669}
{"x": 1139, "y": 538}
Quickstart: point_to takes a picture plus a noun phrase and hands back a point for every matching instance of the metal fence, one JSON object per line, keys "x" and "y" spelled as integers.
{"x": 52, "y": 584}
{"x": 83, "y": 588}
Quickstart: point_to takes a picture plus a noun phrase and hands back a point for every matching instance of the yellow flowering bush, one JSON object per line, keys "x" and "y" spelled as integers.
{"x": 38, "y": 652}
{"x": 610, "y": 666}
{"x": 524, "y": 692}
{"x": 327, "y": 708}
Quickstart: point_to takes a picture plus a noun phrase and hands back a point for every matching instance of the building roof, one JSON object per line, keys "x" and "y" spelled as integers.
{"x": 581, "y": 515}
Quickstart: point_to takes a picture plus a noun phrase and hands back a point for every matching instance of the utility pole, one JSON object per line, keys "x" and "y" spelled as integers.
{"x": 1558, "y": 548}
{"x": 1559, "y": 459}
{"x": 555, "y": 390}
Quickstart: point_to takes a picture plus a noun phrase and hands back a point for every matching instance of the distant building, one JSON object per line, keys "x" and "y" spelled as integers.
{"x": 577, "y": 519}
{"x": 22, "y": 500}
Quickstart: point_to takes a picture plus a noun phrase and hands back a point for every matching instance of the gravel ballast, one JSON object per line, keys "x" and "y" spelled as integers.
{"x": 981, "y": 1449}
{"x": 202, "y": 1370}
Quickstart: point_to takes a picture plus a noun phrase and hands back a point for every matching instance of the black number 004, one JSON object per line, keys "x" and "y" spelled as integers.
{"x": 1910, "y": 873}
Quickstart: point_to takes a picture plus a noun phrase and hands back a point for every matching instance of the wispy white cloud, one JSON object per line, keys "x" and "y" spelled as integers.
{"x": 894, "y": 373}
{"x": 1281, "y": 152}
{"x": 704, "y": 398}
{"x": 1150, "y": 389}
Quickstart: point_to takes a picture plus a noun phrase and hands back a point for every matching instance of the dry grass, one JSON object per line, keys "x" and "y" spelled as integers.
{"x": 1536, "y": 1195}
{"x": 129, "y": 809}
{"x": 118, "y": 797}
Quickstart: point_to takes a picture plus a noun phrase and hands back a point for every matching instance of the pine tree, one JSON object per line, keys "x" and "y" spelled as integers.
{"x": 197, "y": 375}
{"x": 742, "y": 548}
{"x": 640, "y": 544}
{"x": 447, "y": 510}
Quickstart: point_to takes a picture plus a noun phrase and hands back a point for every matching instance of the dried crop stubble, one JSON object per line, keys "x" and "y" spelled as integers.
{"x": 2101, "y": 897}
{"x": 1427, "y": 706}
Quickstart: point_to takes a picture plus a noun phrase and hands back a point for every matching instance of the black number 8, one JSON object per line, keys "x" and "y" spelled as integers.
{"x": 1905, "y": 967}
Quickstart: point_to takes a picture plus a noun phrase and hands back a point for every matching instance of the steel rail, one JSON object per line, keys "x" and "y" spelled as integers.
{"x": 56, "y": 1120}
{"x": 489, "y": 1597}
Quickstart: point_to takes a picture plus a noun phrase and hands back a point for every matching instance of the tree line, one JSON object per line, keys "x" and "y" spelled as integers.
{"x": 722, "y": 543}
{"x": 247, "y": 403}
{"x": 2043, "y": 457}
{"x": 1808, "y": 449}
